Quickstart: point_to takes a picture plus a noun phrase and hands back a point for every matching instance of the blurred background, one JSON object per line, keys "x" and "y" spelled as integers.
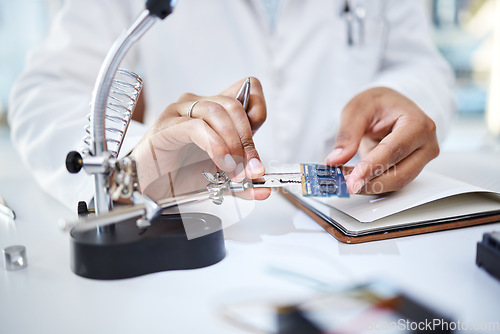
{"x": 23, "y": 25}
{"x": 467, "y": 32}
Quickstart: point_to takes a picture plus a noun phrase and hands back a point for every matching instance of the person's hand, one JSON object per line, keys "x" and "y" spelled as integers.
{"x": 395, "y": 138}
{"x": 216, "y": 136}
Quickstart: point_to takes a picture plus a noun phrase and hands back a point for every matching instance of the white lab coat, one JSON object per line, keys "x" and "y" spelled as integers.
{"x": 307, "y": 70}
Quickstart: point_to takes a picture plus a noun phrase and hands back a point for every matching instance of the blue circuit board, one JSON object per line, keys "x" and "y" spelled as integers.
{"x": 323, "y": 181}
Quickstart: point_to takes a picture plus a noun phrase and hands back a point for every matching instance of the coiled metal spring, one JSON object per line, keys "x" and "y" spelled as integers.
{"x": 122, "y": 100}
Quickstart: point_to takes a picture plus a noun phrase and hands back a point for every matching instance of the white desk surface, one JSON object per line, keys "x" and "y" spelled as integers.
{"x": 46, "y": 297}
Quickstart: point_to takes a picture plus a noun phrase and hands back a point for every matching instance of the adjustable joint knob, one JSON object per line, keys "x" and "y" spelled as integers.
{"x": 160, "y": 8}
{"x": 74, "y": 162}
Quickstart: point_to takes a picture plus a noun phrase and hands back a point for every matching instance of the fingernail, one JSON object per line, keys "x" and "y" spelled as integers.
{"x": 256, "y": 167}
{"x": 357, "y": 186}
{"x": 229, "y": 162}
{"x": 334, "y": 154}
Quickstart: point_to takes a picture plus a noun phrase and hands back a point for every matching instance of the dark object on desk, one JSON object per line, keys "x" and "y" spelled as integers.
{"x": 128, "y": 251}
{"x": 488, "y": 253}
{"x": 291, "y": 320}
{"x": 361, "y": 310}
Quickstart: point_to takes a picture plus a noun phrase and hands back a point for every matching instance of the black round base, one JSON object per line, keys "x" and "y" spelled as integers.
{"x": 123, "y": 250}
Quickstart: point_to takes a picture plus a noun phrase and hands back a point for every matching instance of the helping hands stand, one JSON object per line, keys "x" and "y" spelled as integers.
{"x": 136, "y": 240}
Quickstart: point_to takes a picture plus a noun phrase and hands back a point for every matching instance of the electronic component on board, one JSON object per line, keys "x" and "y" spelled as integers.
{"x": 323, "y": 181}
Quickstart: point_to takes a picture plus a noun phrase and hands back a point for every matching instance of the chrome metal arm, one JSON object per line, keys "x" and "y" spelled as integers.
{"x": 104, "y": 81}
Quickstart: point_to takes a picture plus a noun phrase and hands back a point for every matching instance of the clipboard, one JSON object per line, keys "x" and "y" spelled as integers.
{"x": 431, "y": 203}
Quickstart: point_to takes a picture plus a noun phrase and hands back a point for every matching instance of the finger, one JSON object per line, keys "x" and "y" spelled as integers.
{"x": 189, "y": 97}
{"x": 259, "y": 194}
{"x": 202, "y": 135}
{"x": 406, "y": 138}
{"x": 218, "y": 118}
{"x": 256, "y": 110}
{"x": 241, "y": 122}
{"x": 228, "y": 118}
{"x": 353, "y": 123}
{"x": 346, "y": 170}
{"x": 398, "y": 175}
{"x": 245, "y": 123}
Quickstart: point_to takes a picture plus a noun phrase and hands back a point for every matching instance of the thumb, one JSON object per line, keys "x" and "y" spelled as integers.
{"x": 353, "y": 125}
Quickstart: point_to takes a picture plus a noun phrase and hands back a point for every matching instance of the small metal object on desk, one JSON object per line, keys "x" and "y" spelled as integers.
{"x": 15, "y": 257}
{"x": 5, "y": 210}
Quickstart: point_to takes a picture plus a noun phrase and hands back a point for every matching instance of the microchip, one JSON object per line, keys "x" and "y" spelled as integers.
{"x": 325, "y": 173}
{"x": 328, "y": 189}
{"x": 327, "y": 182}
{"x": 323, "y": 181}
